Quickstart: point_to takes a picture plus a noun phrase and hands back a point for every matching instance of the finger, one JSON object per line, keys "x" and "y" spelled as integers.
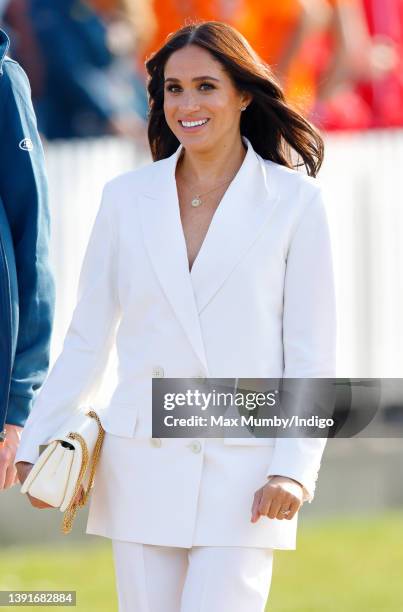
{"x": 255, "y": 505}
{"x": 10, "y": 477}
{"x": 38, "y": 503}
{"x": 41, "y": 505}
{"x": 281, "y": 512}
{"x": 18, "y": 478}
{"x": 256, "y": 501}
{"x": 294, "y": 507}
{"x": 3, "y": 466}
{"x": 275, "y": 507}
{"x": 23, "y": 471}
{"x": 269, "y": 494}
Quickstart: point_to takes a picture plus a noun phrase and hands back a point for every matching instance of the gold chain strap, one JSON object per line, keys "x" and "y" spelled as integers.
{"x": 73, "y": 506}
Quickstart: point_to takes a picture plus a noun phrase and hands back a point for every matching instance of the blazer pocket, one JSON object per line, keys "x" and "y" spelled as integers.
{"x": 249, "y": 441}
{"x": 119, "y": 419}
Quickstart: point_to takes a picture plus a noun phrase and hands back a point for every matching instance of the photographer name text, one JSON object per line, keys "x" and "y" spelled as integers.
{"x": 247, "y": 421}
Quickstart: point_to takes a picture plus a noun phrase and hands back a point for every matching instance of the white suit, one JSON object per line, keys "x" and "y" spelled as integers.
{"x": 258, "y": 303}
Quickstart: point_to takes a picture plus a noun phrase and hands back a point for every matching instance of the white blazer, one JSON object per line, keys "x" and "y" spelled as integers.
{"x": 258, "y": 303}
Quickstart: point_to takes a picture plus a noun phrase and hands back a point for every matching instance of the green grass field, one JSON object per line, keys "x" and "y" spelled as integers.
{"x": 340, "y": 566}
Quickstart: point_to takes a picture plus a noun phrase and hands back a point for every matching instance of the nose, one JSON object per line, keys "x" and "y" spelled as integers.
{"x": 188, "y": 103}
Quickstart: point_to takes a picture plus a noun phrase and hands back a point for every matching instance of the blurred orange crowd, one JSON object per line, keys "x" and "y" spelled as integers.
{"x": 339, "y": 61}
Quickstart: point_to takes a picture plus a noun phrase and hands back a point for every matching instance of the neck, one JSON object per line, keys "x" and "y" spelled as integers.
{"x": 209, "y": 167}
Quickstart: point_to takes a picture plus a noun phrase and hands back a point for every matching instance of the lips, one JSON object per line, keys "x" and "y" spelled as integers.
{"x": 193, "y": 124}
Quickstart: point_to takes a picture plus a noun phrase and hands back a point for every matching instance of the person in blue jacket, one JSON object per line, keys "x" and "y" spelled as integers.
{"x": 88, "y": 89}
{"x": 26, "y": 282}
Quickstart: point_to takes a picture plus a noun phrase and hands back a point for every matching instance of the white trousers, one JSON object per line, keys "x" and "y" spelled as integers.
{"x": 200, "y": 579}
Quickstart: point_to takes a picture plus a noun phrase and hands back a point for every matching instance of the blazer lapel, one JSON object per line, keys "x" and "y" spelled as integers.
{"x": 238, "y": 221}
{"x": 166, "y": 246}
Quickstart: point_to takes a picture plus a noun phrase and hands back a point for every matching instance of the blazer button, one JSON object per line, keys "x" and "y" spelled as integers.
{"x": 158, "y": 372}
{"x": 156, "y": 442}
{"x": 195, "y": 446}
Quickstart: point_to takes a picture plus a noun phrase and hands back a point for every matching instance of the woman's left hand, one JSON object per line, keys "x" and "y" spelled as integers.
{"x": 280, "y": 498}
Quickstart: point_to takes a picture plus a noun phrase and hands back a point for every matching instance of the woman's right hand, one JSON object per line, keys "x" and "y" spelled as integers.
{"x": 23, "y": 469}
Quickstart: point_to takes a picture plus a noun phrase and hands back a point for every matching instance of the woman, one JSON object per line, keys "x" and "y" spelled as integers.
{"x": 213, "y": 261}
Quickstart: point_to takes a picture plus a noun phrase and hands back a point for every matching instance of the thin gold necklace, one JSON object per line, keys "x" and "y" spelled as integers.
{"x": 197, "y": 199}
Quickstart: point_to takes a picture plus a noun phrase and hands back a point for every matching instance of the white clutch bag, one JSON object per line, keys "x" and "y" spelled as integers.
{"x": 68, "y": 461}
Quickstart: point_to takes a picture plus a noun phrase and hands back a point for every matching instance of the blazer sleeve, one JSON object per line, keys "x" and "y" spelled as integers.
{"x": 77, "y": 373}
{"x": 23, "y": 190}
{"x": 309, "y": 333}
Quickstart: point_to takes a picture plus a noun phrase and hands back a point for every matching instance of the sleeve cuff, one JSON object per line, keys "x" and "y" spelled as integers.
{"x": 18, "y": 410}
{"x": 28, "y": 449}
{"x": 29, "y": 455}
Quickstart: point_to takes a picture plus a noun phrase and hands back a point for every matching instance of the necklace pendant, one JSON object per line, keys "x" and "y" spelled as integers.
{"x": 196, "y": 202}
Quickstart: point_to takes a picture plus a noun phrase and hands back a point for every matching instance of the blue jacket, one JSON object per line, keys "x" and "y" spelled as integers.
{"x": 26, "y": 284}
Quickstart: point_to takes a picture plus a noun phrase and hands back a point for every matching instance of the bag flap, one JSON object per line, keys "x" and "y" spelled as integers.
{"x": 40, "y": 462}
{"x": 79, "y": 423}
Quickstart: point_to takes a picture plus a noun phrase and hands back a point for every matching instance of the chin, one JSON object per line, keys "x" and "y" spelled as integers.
{"x": 198, "y": 146}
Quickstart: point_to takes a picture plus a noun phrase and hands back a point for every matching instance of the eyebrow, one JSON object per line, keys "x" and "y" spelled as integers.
{"x": 200, "y": 78}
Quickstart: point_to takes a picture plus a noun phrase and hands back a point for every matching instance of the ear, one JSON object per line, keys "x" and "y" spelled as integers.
{"x": 246, "y": 98}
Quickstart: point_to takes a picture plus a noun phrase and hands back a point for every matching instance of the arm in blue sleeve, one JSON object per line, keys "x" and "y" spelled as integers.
{"x": 23, "y": 189}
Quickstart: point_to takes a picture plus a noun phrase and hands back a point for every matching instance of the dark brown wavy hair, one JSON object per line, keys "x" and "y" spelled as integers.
{"x": 275, "y": 129}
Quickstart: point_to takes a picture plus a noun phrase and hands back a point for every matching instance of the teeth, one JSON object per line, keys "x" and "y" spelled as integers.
{"x": 193, "y": 123}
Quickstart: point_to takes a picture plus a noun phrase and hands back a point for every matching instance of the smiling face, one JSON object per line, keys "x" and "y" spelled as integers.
{"x": 201, "y": 105}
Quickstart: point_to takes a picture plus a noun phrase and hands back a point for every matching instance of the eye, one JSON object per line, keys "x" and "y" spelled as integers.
{"x": 208, "y": 85}
{"x": 172, "y": 88}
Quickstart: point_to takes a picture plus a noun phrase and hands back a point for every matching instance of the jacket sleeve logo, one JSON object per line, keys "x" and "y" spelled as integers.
{"x": 26, "y": 144}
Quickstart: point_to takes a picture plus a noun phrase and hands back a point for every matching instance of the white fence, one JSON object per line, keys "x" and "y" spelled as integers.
{"x": 362, "y": 178}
